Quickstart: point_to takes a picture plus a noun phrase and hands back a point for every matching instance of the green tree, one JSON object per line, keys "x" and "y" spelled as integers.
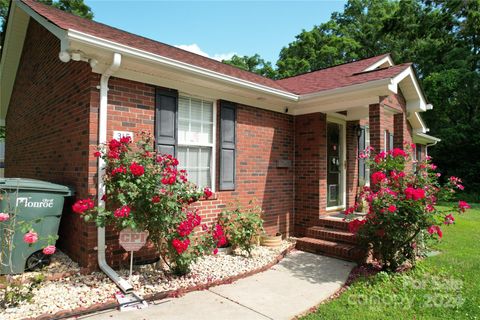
{"x": 442, "y": 38}
{"x": 253, "y": 64}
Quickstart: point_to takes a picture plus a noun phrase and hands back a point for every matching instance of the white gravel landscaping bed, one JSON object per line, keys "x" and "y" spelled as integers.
{"x": 84, "y": 290}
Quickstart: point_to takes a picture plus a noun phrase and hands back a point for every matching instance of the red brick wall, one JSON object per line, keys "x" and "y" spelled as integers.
{"x": 47, "y": 125}
{"x": 310, "y": 169}
{"x": 352, "y": 162}
{"x": 263, "y": 138}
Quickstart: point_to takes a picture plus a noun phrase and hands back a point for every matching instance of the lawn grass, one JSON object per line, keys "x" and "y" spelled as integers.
{"x": 445, "y": 286}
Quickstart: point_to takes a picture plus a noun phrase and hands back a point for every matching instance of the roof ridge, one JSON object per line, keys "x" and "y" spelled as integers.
{"x": 334, "y": 66}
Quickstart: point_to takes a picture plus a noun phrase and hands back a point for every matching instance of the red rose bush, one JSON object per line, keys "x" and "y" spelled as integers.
{"x": 402, "y": 206}
{"x": 146, "y": 191}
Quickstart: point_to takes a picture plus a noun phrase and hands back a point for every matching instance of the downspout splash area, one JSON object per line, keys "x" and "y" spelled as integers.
{"x": 102, "y": 139}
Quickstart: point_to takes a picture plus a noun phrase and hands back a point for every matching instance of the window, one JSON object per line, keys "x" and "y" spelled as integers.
{"x": 196, "y": 127}
{"x": 363, "y": 168}
{"x": 417, "y": 156}
{"x": 418, "y": 152}
{"x": 388, "y": 141}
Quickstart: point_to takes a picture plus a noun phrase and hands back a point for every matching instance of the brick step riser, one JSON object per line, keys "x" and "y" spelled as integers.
{"x": 352, "y": 255}
{"x": 341, "y": 225}
{"x": 330, "y": 236}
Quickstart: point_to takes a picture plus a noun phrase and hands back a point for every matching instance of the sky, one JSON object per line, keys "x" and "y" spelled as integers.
{"x": 217, "y": 29}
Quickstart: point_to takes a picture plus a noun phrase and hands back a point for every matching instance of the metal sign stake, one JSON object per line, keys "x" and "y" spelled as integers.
{"x": 131, "y": 267}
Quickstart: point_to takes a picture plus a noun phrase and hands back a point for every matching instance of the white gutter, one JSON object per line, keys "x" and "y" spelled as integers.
{"x": 354, "y": 88}
{"x": 102, "y": 139}
{"x": 179, "y": 65}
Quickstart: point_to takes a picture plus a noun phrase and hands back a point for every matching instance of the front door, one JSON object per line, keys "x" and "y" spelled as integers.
{"x": 335, "y": 161}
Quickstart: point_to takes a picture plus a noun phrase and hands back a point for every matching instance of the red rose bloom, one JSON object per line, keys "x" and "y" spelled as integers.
{"x": 397, "y": 152}
{"x": 97, "y": 154}
{"x": 378, "y": 177}
{"x": 113, "y": 154}
{"x": 114, "y": 144}
{"x": 180, "y": 246}
{"x": 207, "y": 193}
{"x": 122, "y": 212}
{"x": 155, "y": 199}
{"x": 414, "y": 194}
{"x": 125, "y": 140}
{"x": 83, "y": 205}
{"x": 355, "y": 225}
{"x": 137, "y": 169}
{"x": 120, "y": 169}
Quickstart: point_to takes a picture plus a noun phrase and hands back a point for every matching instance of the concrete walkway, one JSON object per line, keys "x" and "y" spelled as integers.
{"x": 299, "y": 282}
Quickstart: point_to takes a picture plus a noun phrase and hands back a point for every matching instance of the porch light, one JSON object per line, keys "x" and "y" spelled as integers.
{"x": 358, "y": 129}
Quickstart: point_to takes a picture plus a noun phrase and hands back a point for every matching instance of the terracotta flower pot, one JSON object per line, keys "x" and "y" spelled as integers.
{"x": 271, "y": 241}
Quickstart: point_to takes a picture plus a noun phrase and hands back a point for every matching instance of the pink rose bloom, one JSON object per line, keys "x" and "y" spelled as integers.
{"x": 4, "y": 217}
{"x": 30, "y": 237}
{"x": 49, "y": 250}
{"x": 449, "y": 219}
{"x": 462, "y": 205}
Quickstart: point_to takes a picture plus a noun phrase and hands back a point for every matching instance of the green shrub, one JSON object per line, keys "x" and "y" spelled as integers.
{"x": 242, "y": 225}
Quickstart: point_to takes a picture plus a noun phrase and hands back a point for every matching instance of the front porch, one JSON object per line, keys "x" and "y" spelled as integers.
{"x": 328, "y": 171}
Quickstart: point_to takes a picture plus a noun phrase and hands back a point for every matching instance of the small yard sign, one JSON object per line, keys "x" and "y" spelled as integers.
{"x": 132, "y": 240}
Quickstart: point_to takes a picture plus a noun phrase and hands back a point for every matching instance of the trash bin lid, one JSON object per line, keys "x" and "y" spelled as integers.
{"x": 32, "y": 184}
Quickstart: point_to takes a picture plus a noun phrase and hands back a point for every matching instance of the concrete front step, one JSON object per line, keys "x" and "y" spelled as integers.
{"x": 333, "y": 223}
{"x": 331, "y": 234}
{"x": 340, "y": 250}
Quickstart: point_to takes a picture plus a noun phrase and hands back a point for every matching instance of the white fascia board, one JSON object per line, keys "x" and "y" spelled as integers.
{"x": 380, "y": 62}
{"x": 418, "y": 104}
{"x": 55, "y": 30}
{"x": 75, "y": 35}
{"x": 381, "y": 84}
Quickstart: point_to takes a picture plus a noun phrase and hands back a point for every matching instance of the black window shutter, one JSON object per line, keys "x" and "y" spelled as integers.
{"x": 361, "y": 162}
{"x": 228, "y": 120}
{"x": 390, "y": 137}
{"x": 166, "y": 106}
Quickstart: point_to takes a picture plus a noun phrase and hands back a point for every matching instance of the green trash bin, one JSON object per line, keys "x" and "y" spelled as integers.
{"x": 37, "y": 202}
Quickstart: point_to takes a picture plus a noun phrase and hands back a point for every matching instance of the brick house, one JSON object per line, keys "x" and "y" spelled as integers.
{"x": 68, "y": 83}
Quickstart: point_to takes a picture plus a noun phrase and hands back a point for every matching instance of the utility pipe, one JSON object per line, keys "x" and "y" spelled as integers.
{"x": 102, "y": 139}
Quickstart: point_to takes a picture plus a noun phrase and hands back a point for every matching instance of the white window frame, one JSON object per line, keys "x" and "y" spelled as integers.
{"x": 367, "y": 166}
{"x": 212, "y": 145}
{"x": 385, "y": 140}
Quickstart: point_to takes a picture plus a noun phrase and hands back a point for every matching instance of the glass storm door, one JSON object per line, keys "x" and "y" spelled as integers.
{"x": 334, "y": 165}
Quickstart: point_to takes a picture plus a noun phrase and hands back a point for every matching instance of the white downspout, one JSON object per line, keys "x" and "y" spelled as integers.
{"x": 429, "y": 145}
{"x": 102, "y": 139}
